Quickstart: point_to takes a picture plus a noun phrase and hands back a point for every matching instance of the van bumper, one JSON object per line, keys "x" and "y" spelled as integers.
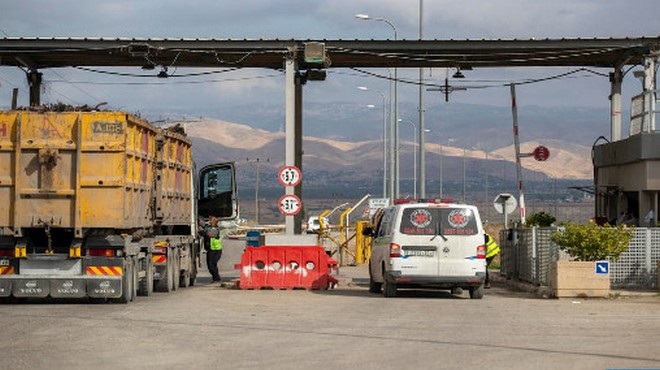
{"x": 448, "y": 282}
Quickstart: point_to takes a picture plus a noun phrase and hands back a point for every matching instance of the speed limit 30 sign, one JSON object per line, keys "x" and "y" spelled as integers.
{"x": 289, "y": 205}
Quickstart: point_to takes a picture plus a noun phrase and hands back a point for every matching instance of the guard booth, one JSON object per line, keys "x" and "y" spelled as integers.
{"x": 627, "y": 172}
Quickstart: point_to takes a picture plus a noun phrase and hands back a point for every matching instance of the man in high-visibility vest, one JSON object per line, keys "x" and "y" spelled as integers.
{"x": 492, "y": 249}
{"x": 213, "y": 246}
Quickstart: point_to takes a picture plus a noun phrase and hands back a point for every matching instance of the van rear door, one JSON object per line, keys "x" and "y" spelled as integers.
{"x": 440, "y": 240}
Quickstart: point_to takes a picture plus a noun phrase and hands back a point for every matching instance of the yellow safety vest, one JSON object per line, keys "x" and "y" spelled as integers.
{"x": 216, "y": 244}
{"x": 492, "y": 249}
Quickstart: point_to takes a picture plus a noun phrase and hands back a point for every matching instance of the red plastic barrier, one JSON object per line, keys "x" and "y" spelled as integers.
{"x": 286, "y": 267}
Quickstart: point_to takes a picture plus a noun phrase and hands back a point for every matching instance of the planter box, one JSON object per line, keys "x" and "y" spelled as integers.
{"x": 578, "y": 279}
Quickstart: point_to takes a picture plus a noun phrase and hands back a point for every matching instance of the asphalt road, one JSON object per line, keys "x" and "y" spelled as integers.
{"x": 210, "y": 327}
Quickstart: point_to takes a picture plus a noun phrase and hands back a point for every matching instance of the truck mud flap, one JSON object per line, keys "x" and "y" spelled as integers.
{"x": 5, "y": 287}
{"x": 104, "y": 287}
{"x": 35, "y": 288}
{"x": 67, "y": 288}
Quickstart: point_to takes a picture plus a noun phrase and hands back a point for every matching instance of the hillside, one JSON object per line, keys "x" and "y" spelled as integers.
{"x": 217, "y": 140}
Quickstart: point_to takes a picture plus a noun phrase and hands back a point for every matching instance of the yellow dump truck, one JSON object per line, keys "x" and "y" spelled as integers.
{"x": 102, "y": 205}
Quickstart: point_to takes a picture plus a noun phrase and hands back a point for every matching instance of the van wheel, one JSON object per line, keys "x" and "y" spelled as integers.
{"x": 374, "y": 287}
{"x": 389, "y": 289}
{"x": 477, "y": 292}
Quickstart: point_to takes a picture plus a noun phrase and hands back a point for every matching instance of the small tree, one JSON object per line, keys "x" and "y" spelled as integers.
{"x": 540, "y": 219}
{"x": 590, "y": 242}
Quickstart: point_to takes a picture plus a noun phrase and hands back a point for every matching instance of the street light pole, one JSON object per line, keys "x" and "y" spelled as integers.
{"x": 414, "y": 157}
{"x": 441, "y": 171}
{"x": 422, "y": 152}
{"x": 394, "y": 127}
{"x": 363, "y": 88}
{"x": 256, "y": 189}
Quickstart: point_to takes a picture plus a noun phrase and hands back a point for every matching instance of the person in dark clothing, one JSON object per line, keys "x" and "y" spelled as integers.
{"x": 213, "y": 246}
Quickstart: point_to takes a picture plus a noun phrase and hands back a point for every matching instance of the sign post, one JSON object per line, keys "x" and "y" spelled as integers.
{"x": 505, "y": 203}
{"x": 289, "y": 204}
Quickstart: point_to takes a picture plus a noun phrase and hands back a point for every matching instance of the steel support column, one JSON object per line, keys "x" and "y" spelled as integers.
{"x": 616, "y": 78}
{"x": 291, "y": 69}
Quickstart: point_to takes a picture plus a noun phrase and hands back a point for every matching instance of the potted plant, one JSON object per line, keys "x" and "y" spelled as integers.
{"x": 541, "y": 219}
{"x": 587, "y": 244}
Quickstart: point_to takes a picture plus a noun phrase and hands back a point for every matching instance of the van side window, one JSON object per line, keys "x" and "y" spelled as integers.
{"x": 386, "y": 223}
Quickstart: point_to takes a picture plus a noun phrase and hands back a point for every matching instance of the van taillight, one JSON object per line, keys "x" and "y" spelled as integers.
{"x": 6, "y": 253}
{"x": 481, "y": 251}
{"x": 395, "y": 250}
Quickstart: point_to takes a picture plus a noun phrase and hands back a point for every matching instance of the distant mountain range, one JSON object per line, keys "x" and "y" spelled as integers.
{"x": 343, "y": 145}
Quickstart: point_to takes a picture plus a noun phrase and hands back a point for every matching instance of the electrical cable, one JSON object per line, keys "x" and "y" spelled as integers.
{"x": 113, "y": 73}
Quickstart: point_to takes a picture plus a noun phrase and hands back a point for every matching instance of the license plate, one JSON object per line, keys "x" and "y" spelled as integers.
{"x": 4, "y": 262}
{"x": 419, "y": 253}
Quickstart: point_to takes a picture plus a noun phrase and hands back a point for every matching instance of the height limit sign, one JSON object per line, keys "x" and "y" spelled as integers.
{"x": 289, "y": 176}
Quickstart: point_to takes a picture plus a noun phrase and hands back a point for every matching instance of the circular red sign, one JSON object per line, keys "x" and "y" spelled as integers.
{"x": 289, "y": 205}
{"x": 541, "y": 153}
{"x": 289, "y": 176}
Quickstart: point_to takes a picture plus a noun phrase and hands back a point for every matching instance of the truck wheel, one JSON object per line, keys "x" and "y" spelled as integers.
{"x": 166, "y": 282}
{"x": 146, "y": 285}
{"x": 184, "y": 281}
{"x": 176, "y": 270}
{"x": 126, "y": 284}
{"x": 477, "y": 292}
{"x": 134, "y": 275}
{"x": 193, "y": 272}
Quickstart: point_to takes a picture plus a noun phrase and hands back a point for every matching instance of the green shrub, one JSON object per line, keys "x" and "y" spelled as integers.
{"x": 590, "y": 242}
{"x": 540, "y": 219}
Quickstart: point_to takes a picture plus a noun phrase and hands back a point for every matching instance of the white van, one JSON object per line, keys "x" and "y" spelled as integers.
{"x": 428, "y": 245}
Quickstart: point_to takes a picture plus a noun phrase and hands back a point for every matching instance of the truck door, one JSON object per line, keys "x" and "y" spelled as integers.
{"x": 217, "y": 192}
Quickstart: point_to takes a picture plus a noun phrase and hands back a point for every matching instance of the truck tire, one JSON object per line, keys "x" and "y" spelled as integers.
{"x": 146, "y": 285}
{"x": 126, "y": 284}
{"x": 193, "y": 272}
{"x": 194, "y": 264}
{"x": 165, "y": 284}
{"x": 176, "y": 269}
{"x": 184, "y": 281}
{"x": 136, "y": 278}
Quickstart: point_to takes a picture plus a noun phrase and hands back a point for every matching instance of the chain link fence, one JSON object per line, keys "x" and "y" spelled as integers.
{"x": 527, "y": 254}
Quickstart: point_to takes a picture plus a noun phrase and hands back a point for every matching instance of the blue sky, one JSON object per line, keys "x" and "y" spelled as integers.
{"x": 309, "y": 19}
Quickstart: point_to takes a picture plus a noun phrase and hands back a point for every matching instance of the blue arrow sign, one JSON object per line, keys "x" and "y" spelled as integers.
{"x": 602, "y": 267}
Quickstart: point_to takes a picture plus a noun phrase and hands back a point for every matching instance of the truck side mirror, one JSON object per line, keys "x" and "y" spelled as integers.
{"x": 368, "y": 231}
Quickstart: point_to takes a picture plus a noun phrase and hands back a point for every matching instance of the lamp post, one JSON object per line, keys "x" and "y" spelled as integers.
{"x": 256, "y": 189}
{"x": 422, "y": 127}
{"x": 394, "y": 127}
{"x": 363, "y": 88}
{"x": 441, "y": 155}
{"x": 414, "y": 156}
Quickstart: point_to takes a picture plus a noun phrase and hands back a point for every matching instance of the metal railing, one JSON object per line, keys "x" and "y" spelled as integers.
{"x": 527, "y": 254}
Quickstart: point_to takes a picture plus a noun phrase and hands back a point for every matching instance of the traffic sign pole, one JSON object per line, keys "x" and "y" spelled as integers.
{"x": 290, "y": 204}
{"x": 516, "y": 141}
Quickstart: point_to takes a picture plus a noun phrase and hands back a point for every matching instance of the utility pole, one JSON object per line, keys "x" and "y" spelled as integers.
{"x": 422, "y": 129}
{"x": 257, "y": 162}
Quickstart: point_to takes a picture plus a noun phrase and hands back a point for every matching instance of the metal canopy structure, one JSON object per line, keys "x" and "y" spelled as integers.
{"x": 38, "y": 53}
{"x": 33, "y": 54}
